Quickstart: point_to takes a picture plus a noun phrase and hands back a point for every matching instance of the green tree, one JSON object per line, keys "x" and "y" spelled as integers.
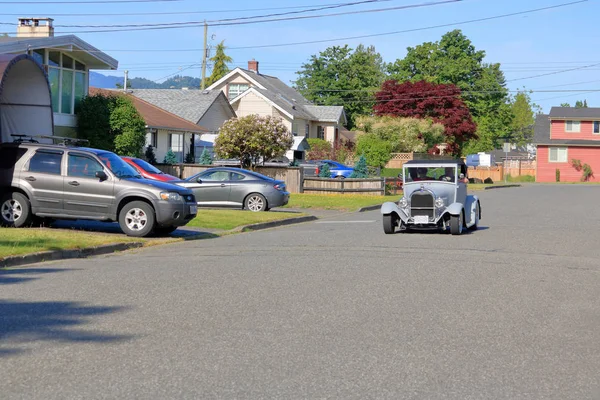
{"x": 565, "y": 105}
{"x": 205, "y": 158}
{"x": 128, "y": 127}
{"x": 375, "y": 150}
{"x": 189, "y": 158}
{"x": 455, "y": 60}
{"x": 523, "y": 110}
{"x": 581, "y": 104}
{"x": 325, "y": 171}
{"x": 339, "y": 76}
{"x": 219, "y": 61}
{"x": 93, "y": 122}
{"x": 150, "y": 155}
{"x": 360, "y": 168}
{"x": 253, "y": 138}
{"x": 405, "y": 135}
{"x": 170, "y": 157}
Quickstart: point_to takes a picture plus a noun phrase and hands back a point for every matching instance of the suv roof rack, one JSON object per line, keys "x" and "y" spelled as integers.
{"x": 22, "y": 138}
{"x": 65, "y": 141}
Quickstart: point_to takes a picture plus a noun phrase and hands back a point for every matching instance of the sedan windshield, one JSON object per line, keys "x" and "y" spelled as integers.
{"x": 415, "y": 174}
{"x": 117, "y": 166}
{"x": 146, "y": 166}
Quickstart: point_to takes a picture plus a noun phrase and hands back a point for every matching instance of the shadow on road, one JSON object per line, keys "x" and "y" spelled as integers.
{"x": 27, "y": 322}
{"x": 14, "y": 276}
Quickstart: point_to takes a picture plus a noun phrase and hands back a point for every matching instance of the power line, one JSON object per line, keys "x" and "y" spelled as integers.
{"x": 177, "y": 12}
{"x": 195, "y": 24}
{"x": 20, "y": 2}
{"x": 554, "y": 73}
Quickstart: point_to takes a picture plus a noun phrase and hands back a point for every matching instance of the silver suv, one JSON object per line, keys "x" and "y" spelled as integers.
{"x": 69, "y": 182}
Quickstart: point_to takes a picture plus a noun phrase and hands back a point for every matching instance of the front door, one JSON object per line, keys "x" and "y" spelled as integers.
{"x": 42, "y": 177}
{"x": 84, "y": 194}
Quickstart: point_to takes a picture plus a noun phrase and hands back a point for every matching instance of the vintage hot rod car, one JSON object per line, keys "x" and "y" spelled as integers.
{"x": 435, "y": 197}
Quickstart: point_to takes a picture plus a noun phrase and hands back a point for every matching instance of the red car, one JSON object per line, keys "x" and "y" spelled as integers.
{"x": 148, "y": 170}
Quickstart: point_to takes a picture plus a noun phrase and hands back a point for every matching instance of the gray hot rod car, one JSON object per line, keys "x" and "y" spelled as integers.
{"x": 435, "y": 197}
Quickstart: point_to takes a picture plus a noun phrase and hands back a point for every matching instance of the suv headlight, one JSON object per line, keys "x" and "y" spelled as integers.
{"x": 403, "y": 203}
{"x": 170, "y": 196}
{"x": 439, "y": 202}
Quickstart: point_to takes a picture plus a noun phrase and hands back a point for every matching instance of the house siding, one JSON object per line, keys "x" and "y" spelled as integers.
{"x": 546, "y": 170}
{"x": 252, "y": 104}
{"x": 557, "y": 131}
{"x": 214, "y": 117}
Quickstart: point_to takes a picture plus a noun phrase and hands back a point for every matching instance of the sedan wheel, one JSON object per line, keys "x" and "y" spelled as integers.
{"x": 255, "y": 202}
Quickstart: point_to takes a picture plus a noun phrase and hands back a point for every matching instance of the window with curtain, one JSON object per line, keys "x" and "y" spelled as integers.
{"x": 558, "y": 154}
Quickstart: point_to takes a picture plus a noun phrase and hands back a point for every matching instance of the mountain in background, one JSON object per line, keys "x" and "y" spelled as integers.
{"x": 110, "y": 82}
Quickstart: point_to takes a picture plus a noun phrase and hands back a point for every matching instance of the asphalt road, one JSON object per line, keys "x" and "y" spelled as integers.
{"x": 329, "y": 309}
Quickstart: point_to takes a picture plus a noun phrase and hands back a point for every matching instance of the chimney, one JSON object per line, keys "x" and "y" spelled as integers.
{"x": 35, "y": 27}
{"x": 253, "y": 66}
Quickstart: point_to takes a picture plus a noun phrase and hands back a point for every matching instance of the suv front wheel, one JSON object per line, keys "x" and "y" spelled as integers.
{"x": 15, "y": 210}
{"x": 137, "y": 219}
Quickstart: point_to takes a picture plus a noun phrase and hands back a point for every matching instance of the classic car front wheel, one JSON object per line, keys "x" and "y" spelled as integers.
{"x": 390, "y": 221}
{"x": 456, "y": 224}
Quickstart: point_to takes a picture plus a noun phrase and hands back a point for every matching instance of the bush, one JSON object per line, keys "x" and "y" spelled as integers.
{"x": 189, "y": 158}
{"x": 320, "y": 149}
{"x": 325, "y": 171}
{"x": 150, "y": 155}
{"x": 377, "y": 151}
{"x": 522, "y": 178}
{"x": 170, "y": 157}
{"x": 360, "y": 168}
{"x": 488, "y": 180}
{"x": 557, "y": 174}
{"x": 205, "y": 158}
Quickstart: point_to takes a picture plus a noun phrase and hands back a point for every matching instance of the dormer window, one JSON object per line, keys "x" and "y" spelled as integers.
{"x": 572, "y": 126}
{"x": 235, "y": 89}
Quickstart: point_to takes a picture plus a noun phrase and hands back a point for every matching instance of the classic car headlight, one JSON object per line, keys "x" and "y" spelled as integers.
{"x": 403, "y": 203}
{"x": 170, "y": 196}
{"x": 439, "y": 202}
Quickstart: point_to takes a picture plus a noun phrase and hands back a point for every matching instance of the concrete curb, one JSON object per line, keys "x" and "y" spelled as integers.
{"x": 370, "y": 208}
{"x": 501, "y": 186}
{"x": 13, "y": 261}
{"x": 273, "y": 224}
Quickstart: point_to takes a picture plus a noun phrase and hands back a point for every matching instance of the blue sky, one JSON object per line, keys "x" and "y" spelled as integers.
{"x": 537, "y": 43}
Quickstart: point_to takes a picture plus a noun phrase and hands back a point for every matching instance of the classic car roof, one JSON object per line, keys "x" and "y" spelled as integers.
{"x": 452, "y": 161}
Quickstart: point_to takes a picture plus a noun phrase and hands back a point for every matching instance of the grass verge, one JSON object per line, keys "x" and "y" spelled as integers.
{"x": 230, "y": 219}
{"x": 14, "y": 242}
{"x": 341, "y": 202}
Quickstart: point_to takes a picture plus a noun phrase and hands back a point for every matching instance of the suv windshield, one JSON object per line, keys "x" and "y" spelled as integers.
{"x": 117, "y": 166}
{"x": 146, "y": 166}
{"x": 415, "y": 174}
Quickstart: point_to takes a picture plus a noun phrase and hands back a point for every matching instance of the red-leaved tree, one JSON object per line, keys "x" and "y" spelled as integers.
{"x": 438, "y": 102}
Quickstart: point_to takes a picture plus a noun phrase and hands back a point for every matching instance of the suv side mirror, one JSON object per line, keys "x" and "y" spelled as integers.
{"x": 101, "y": 175}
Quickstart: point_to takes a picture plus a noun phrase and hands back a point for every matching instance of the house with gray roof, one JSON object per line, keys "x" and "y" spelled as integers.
{"x": 251, "y": 92}
{"x": 67, "y": 61}
{"x": 566, "y": 138}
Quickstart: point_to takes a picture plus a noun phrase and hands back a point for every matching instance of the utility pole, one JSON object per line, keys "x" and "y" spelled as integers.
{"x": 203, "y": 82}
{"x": 125, "y": 81}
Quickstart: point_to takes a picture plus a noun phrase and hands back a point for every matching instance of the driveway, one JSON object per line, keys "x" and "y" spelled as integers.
{"x": 328, "y": 309}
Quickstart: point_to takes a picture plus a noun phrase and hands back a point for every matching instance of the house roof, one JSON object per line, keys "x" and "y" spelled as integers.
{"x": 286, "y": 98}
{"x": 187, "y": 104}
{"x": 574, "y": 113}
{"x": 83, "y": 51}
{"x": 541, "y": 134}
{"x": 154, "y": 116}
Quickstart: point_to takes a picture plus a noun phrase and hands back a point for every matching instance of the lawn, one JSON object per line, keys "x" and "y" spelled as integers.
{"x": 32, "y": 240}
{"x": 229, "y": 219}
{"x": 342, "y": 202}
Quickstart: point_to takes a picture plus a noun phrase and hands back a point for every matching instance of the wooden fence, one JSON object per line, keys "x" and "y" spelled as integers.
{"x": 292, "y": 176}
{"x": 514, "y": 168}
{"x": 372, "y": 187}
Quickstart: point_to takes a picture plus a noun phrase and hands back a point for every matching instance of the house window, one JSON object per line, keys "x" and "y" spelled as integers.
{"x": 68, "y": 82}
{"x": 557, "y": 154}
{"x": 295, "y": 128}
{"x": 572, "y": 126}
{"x": 320, "y": 132}
{"x": 175, "y": 143}
{"x": 151, "y": 139}
{"x": 307, "y": 130}
{"x": 596, "y": 127}
{"x": 235, "y": 89}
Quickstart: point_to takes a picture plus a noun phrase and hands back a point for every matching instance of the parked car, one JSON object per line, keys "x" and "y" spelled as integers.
{"x": 435, "y": 197}
{"x": 70, "y": 182}
{"x": 148, "y": 170}
{"x": 338, "y": 170}
{"x": 236, "y": 187}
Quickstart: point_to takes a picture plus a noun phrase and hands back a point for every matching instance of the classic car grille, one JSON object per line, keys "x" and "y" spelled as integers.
{"x": 421, "y": 203}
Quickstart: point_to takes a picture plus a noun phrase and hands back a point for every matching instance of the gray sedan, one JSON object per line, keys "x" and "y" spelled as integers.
{"x": 236, "y": 187}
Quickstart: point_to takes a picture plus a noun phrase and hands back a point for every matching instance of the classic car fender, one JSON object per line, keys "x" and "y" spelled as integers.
{"x": 391, "y": 207}
{"x": 454, "y": 208}
{"x": 471, "y": 209}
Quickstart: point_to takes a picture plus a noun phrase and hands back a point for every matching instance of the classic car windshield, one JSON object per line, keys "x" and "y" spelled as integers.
{"x": 415, "y": 174}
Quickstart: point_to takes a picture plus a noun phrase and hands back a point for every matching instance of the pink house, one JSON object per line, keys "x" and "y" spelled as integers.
{"x": 564, "y": 135}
